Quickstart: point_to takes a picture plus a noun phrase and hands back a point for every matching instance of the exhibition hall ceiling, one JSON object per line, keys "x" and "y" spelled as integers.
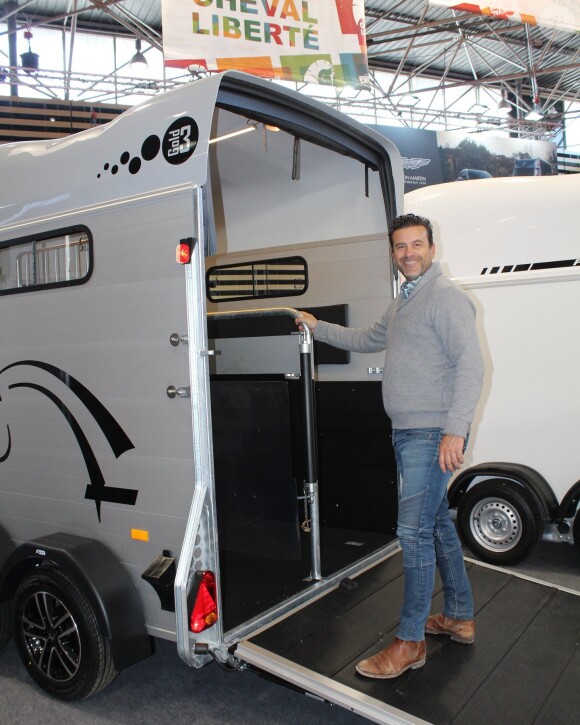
{"x": 404, "y": 37}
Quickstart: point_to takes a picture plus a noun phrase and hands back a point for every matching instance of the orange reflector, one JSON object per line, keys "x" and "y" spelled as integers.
{"x": 139, "y": 534}
{"x": 204, "y": 612}
{"x": 182, "y": 253}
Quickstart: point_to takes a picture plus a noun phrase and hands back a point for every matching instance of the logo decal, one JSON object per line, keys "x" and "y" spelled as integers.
{"x": 413, "y": 164}
{"x": 178, "y": 144}
{"x": 180, "y": 140}
{"x": 96, "y": 490}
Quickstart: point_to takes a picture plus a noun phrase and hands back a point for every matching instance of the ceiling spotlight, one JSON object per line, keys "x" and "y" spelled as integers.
{"x": 138, "y": 60}
{"x": 535, "y": 113}
{"x": 504, "y": 107}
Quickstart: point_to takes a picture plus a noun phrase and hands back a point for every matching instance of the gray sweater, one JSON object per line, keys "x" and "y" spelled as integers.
{"x": 434, "y": 369}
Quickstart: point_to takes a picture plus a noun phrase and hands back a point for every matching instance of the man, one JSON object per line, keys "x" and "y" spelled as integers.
{"x": 431, "y": 384}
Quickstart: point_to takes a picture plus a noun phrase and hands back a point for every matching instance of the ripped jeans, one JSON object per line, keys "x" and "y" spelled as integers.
{"x": 427, "y": 534}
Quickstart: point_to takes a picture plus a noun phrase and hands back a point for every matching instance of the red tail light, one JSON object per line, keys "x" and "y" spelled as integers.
{"x": 204, "y": 612}
{"x": 182, "y": 253}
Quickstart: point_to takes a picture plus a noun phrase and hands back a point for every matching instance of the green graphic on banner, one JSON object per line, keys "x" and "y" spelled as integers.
{"x": 318, "y": 41}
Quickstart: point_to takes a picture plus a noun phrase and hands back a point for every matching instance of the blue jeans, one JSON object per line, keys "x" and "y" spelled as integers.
{"x": 427, "y": 534}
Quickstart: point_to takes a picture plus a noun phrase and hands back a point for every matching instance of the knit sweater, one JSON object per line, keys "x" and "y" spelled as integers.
{"x": 433, "y": 371}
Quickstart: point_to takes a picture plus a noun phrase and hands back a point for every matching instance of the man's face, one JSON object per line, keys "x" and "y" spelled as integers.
{"x": 412, "y": 254}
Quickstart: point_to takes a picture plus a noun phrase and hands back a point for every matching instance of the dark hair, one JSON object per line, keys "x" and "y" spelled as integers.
{"x": 410, "y": 220}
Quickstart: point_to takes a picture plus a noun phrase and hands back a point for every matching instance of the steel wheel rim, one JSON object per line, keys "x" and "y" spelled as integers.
{"x": 495, "y": 524}
{"x": 51, "y": 637}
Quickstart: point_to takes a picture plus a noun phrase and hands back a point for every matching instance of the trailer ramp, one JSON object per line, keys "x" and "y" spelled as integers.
{"x": 523, "y": 668}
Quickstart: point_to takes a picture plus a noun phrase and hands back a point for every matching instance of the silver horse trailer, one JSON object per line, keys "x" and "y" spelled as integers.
{"x": 162, "y": 475}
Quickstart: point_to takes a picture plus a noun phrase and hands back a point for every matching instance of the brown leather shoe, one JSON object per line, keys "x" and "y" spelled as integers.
{"x": 460, "y": 630}
{"x": 393, "y": 661}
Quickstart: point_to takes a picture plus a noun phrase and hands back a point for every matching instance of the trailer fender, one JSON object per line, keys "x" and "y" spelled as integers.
{"x": 6, "y": 548}
{"x": 569, "y": 504}
{"x": 101, "y": 578}
{"x": 519, "y": 474}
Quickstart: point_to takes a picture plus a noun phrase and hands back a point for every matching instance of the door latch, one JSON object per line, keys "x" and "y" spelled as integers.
{"x": 183, "y": 392}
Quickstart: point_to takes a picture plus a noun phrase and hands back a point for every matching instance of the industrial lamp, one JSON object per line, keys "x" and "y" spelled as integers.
{"x": 535, "y": 112}
{"x": 504, "y": 106}
{"x": 29, "y": 59}
{"x": 138, "y": 59}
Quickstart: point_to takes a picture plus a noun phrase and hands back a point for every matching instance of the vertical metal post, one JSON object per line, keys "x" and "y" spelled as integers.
{"x": 12, "y": 8}
{"x": 308, "y": 408}
{"x": 311, "y": 485}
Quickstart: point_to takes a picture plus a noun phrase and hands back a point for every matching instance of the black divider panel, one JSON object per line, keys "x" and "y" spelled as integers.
{"x": 255, "y": 487}
{"x": 358, "y": 472}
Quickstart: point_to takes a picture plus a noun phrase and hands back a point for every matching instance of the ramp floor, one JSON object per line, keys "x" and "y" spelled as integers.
{"x": 253, "y": 584}
{"x": 524, "y": 667}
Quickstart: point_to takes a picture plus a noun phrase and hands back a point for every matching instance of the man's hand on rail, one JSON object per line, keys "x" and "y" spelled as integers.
{"x": 306, "y": 319}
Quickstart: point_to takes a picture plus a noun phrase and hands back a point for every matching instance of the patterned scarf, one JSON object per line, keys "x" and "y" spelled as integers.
{"x": 408, "y": 287}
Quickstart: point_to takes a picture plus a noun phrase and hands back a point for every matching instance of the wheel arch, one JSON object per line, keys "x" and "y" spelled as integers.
{"x": 517, "y": 473}
{"x": 101, "y": 578}
{"x": 569, "y": 503}
{"x": 6, "y": 549}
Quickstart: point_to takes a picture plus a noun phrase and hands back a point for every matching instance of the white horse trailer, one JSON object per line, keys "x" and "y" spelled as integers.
{"x": 512, "y": 244}
{"x": 154, "y": 483}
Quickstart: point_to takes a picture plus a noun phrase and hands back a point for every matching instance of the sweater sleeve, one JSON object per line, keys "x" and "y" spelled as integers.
{"x": 356, "y": 339}
{"x": 454, "y": 320}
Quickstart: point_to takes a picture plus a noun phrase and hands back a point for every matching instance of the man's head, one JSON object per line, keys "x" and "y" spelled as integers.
{"x": 412, "y": 246}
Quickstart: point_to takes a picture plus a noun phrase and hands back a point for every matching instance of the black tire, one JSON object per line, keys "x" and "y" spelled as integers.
{"x": 58, "y": 638}
{"x": 499, "y": 522}
{"x": 5, "y": 622}
{"x": 576, "y": 530}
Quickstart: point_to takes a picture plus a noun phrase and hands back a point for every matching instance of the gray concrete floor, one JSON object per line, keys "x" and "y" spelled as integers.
{"x": 558, "y": 564}
{"x": 163, "y": 689}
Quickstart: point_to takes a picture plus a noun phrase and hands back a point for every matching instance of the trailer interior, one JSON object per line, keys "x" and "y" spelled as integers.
{"x": 282, "y": 208}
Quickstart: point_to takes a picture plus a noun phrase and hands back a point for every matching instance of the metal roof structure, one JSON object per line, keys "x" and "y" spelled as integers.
{"x": 425, "y": 49}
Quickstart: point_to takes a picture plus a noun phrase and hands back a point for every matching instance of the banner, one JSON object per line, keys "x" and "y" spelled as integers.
{"x": 471, "y": 156}
{"x": 317, "y": 41}
{"x": 558, "y": 14}
{"x": 419, "y": 154}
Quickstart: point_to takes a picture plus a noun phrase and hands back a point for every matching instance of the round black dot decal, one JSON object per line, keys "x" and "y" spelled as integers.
{"x": 125, "y": 156}
{"x": 114, "y": 169}
{"x": 135, "y": 165}
{"x": 150, "y": 147}
{"x": 106, "y": 167}
{"x": 180, "y": 140}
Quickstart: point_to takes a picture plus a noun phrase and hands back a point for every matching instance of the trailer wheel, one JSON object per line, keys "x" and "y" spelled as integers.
{"x": 58, "y": 638}
{"x": 576, "y": 530}
{"x": 499, "y": 523}
{"x": 5, "y": 622}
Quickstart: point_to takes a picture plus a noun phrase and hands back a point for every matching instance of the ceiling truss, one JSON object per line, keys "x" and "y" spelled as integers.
{"x": 411, "y": 40}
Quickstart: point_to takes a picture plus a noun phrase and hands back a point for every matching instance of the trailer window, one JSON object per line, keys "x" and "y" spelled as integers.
{"x": 54, "y": 259}
{"x": 282, "y": 277}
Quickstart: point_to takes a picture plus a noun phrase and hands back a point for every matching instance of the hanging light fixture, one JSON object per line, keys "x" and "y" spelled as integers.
{"x": 138, "y": 60}
{"x": 29, "y": 59}
{"x": 535, "y": 112}
{"x": 504, "y": 107}
{"x": 408, "y": 99}
{"x": 478, "y": 109}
